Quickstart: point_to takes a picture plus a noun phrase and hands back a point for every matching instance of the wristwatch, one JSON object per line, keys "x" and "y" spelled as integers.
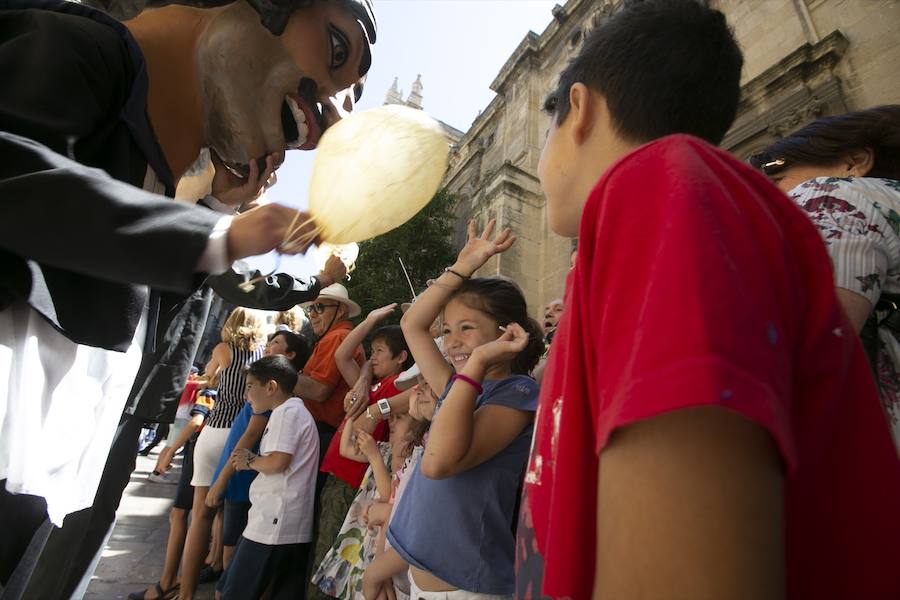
{"x": 384, "y": 407}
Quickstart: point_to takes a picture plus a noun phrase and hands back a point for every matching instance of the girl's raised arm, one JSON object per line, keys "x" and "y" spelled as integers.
{"x": 418, "y": 319}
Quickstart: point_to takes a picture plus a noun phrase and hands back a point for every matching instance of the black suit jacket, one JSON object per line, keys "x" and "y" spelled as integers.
{"x": 78, "y": 240}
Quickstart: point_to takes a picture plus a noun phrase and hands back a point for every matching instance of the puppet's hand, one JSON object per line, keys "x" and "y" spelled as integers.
{"x": 262, "y": 229}
{"x": 234, "y": 191}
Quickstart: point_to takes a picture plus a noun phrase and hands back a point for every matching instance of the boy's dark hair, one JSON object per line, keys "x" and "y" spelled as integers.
{"x": 663, "y": 66}
{"x": 392, "y": 336}
{"x": 504, "y": 302}
{"x": 274, "y": 368}
{"x": 297, "y": 344}
{"x": 828, "y": 140}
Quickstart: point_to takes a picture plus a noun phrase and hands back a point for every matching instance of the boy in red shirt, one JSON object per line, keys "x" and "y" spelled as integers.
{"x": 708, "y": 426}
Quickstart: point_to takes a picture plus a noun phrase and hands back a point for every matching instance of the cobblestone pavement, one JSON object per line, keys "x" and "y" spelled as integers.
{"x": 133, "y": 557}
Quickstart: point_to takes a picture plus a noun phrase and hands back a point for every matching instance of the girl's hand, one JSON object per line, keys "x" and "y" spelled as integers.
{"x": 367, "y": 445}
{"x": 382, "y": 313}
{"x": 503, "y": 349}
{"x": 214, "y": 496}
{"x": 479, "y": 249}
{"x": 164, "y": 460}
{"x": 377, "y": 514}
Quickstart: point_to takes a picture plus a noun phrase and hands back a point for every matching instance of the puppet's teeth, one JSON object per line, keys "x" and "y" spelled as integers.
{"x": 300, "y": 118}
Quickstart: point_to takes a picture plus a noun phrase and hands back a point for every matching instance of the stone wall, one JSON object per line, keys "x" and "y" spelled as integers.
{"x": 493, "y": 169}
{"x": 803, "y": 59}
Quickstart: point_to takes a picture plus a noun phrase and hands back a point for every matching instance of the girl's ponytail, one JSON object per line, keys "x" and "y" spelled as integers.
{"x": 528, "y": 358}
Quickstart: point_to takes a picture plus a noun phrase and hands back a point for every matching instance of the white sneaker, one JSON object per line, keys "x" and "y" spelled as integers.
{"x": 169, "y": 478}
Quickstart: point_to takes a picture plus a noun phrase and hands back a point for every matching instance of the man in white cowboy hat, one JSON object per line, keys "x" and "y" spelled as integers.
{"x": 321, "y": 385}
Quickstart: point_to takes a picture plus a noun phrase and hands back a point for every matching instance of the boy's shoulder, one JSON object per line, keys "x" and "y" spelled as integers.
{"x": 295, "y": 403}
{"x": 677, "y": 154}
{"x": 675, "y": 175}
{"x": 293, "y": 407}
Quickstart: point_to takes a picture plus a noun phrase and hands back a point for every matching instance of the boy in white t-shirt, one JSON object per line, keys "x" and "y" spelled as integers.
{"x": 279, "y": 526}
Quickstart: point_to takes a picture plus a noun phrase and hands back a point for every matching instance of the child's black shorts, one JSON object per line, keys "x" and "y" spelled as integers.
{"x": 184, "y": 495}
{"x": 254, "y": 566}
{"x": 234, "y": 519}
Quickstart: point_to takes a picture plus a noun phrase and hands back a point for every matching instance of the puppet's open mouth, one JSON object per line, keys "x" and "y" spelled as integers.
{"x": 301, "y": 123}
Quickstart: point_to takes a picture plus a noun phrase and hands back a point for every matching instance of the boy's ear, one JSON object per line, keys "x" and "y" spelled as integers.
{"x": 271, "y": 386}
{"x": 582, "y": 112}
{"x": 402, "y": 356}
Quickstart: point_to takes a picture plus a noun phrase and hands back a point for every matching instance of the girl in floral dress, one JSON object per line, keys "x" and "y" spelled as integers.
{"x": 388, "y": 564}
{"x": 341, "y": 571}
{"x": 844, "y": 171}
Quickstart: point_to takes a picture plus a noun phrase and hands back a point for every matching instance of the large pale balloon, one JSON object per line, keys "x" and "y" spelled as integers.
{"x": 374, "y": 170}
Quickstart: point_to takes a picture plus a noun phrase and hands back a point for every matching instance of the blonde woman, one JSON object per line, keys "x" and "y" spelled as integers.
{"x": 292, "y": 319}
{"x": 242, "y": 344}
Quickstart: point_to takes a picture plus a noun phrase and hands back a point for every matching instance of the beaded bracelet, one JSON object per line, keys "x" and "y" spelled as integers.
{"x": 468, "y": 380}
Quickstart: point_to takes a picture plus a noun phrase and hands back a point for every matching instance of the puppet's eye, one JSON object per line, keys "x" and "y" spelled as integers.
{"x": 340, "y": 48}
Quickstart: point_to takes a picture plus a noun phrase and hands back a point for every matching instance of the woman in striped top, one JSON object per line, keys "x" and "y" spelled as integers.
{"x": 242, "y": 338}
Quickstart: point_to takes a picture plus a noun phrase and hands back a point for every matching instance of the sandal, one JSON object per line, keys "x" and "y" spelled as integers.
{"x": 161, "y": 594}
{"x": 208, "y": 574}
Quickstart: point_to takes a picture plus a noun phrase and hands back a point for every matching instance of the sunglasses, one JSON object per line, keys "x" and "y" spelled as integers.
{"x": 318, "y": 308}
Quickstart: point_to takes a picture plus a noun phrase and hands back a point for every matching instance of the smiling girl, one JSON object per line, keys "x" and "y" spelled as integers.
{"x": 478, "y": 444}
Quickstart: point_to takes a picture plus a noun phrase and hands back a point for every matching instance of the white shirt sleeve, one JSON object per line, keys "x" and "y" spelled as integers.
{"x": 214, "y": 259}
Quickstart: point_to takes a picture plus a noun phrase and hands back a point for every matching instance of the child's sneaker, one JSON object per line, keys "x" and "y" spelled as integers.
{"x": 169, "y": 478}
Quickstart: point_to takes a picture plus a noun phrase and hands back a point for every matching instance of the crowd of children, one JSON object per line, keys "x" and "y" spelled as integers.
{"x": 706, "y": 425}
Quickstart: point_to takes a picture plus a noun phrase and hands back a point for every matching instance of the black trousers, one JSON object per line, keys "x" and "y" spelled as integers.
{"x": 256, "y": 567}
{"x": 37, "y": 566}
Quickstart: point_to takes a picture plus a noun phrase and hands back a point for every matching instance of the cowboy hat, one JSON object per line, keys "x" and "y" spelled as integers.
{"x": 338, "y": 293}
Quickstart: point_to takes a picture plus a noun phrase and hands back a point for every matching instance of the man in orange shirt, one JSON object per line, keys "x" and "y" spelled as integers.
{"x": 321, "y": 385}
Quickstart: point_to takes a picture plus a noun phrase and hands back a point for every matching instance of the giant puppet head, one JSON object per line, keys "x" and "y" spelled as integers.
{"x": 276, "y": 73}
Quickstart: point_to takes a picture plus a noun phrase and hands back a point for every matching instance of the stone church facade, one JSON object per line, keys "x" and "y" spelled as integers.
{"x": 803, "y": 59}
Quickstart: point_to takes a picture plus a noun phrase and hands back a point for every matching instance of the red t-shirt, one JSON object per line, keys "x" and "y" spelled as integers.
{"x": 352, "y": 471}
{"x": 700, "y": 284}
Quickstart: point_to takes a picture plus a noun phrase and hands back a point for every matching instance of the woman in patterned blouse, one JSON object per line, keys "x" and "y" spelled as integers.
{"x": 844, "y": 171}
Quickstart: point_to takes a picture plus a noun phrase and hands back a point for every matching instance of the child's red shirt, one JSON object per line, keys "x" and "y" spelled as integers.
{"x": 351, "y": 471}
{"x": 698, "y": 283}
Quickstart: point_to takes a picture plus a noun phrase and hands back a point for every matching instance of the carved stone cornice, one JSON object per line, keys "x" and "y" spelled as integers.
{"x": 797, "y": 89}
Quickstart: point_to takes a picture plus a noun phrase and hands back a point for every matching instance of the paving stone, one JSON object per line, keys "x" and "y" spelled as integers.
{"x": 134, "y": 555}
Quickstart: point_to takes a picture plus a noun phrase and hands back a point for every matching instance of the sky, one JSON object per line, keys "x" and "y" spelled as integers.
{"x": 458, "y": 46}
